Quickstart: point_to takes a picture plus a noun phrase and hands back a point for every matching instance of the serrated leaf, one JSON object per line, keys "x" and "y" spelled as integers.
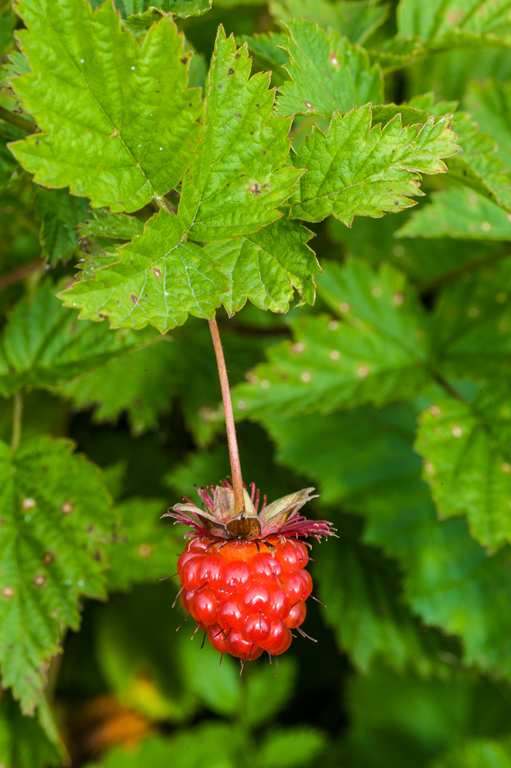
{"x": 8, "y": 164}
{"x": 467, "y": 453}
{"x": 376, "y": 354}
{"x": 327, "y": 73}
{"x": 482, "y": 753}
{"x": 140, "y": 384}
{"x": 120, "y": 145}
{"x": 140, "y": 14}
{"x": 59, "y": 213}
{"x": 490, "y": 104}
{"x": 158, "y": 280}
{"x": 442, "y": 22}
{"x": 29, "y": 742}
{"x": 150, "y": 549}
{"x": 43, "y": 343}
{"x": 267, "y": 49}
{"x": 357, "y": 21}
{"x": 478, "y": 166}
{"x": 294, "y": 747}
{"x": 362, "y": 592}
{"x": 267, "y": 267}
{"x": 117, "y": 226}
{"x": 237, "y": 182}
{"x": 397, "y": 52}
{"x": 354, "y": 170}
{"x": 471, "y": 325}
{"x": 56, "y": 516}
{"x": 459, "y": 213}
{"x": 364, "y": 461}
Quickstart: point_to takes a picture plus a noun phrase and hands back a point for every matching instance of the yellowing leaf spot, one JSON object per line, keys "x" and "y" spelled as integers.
{"x": 362, "y": 371}
{"x": 265, "y": 383}
{"x": 457, "y": 431}
{"x": 306, "y": 377}
{"x": 506, "y": 468}
{"x": 242, "y": 405}
{"x": 8, "y": 592}
{"x": 334, "y": 354}
{"x": 344, "y": 306}
{"x": 28, "y": 503}
{"x": 398, "y": 299}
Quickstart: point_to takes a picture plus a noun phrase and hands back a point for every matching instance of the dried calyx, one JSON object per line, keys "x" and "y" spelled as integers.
{"x": 219, "y": 517}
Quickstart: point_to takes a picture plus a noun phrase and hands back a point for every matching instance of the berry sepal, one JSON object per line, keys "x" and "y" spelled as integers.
{"x": 220, "y": 519}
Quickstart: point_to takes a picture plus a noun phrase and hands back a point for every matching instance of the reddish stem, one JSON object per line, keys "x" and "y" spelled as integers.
{"x": 237, "y": 480}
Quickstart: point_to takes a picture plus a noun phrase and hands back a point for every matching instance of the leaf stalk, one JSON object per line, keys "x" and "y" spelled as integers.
{"x": 237, "y": 479}
{"x": 16, "y": 120}
{"x": 16, "y": 421}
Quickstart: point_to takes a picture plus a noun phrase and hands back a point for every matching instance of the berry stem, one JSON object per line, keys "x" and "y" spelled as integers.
{"x": 237, "y": 480}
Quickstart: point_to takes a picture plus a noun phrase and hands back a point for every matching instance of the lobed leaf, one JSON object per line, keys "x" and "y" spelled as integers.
{"x": 458, "y": 213}
{"x": 266, "y": 267}
{"x": 377, "y": 353}
{"x": 467, "y": 455}
{"x": 354, "y": 170}
{"x": 471, "y": 325}
{"x": 55, "y": 515}
{"x": 444, "y": 22}
{"x": 364, "y": 461}
{"x": 357, "y": 21}
{"x": 237, "y": 181}
{"x": 490, "y": 105}
{"x": 29, "y": 742}
{"x": 120, "y": 145}
{"x": 158, "y": 280}
{"x": 327, "y": 73}
{"x": 151, "y": 547}
{"x": 118, "y": 226}
{"x": 43, "y": 344}
{"x": 60, "y": 214}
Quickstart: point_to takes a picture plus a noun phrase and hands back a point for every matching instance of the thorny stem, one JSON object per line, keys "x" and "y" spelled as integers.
{"x": 19, "y": 122}
{"x": 237, "y": 480}
{"x": 16, "y": 421}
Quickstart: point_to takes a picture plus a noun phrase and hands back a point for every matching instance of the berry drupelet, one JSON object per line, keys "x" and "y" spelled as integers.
{"x": 243, "y": 576}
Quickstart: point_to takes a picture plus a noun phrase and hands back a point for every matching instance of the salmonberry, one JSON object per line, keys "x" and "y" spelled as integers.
{"x": 243, "y": 576}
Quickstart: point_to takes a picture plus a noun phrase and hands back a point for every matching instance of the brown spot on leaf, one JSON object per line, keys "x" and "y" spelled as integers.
{"x": 157, "y": 273}
{"x": 231, "y": 72}
{"x": 48, "y": 558}
{"x": 39, "y": 580}
{"x": 67, "y": 507}
{"x": 255, "y": 189}
{"x": 134, "y": 299}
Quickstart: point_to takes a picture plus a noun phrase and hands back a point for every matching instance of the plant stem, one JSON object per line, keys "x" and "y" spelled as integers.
{"x": 237, "y": 480}
{"x": 16, "y": 421}
{"x": 19, "y": 122}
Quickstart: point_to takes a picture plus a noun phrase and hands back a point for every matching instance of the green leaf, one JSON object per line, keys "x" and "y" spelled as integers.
{"x": 60, "y": 213}
{"x": 55, "y": 518}
{"x": 191, "y": 748}
{"x": 357, "y": 21}
{"x": 444, "y": 22}
{"x": 467, "y": 455}
{"x": 43, "y": 343}
{"x": 459, "y": 213}
{"x": 118, "y": 123}
{"x": 421, "y": 717}
{"x": 141, "y": 384}
{"x": 327, "y": 73}
{"x": 490, "y": 105}
{"x": 293, "y": 747}
{"x": 377, "y": 354}
{"x": 28, "y": 742}
{"x": 117, "y": 226}
{"x": 360, "y": 587}
{"x": 477, "y": 754}
{"x": 478, "y": 166}
{"x": 363, "y": 460}
{"x": 151, "y": 547}
{"x": 237, "y": 182}
{"x": 471, "y": 325}
{"x": 140, "y": 14}
{"x": 354, "y": 170}
{"x": 267, "y": 267}
{"x": 8, "y": 165}
{"x": 397, "y": 52}
{"x": 158, "y": 280}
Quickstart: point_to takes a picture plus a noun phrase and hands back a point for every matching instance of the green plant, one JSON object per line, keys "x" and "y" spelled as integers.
{"x": 186, "y": 194}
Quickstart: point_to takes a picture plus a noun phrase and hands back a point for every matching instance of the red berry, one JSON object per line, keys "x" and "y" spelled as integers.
{"x": 246, "y": 599}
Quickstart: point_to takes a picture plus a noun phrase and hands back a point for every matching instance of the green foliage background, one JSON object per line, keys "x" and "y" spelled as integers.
{"x": 352, "y": 231}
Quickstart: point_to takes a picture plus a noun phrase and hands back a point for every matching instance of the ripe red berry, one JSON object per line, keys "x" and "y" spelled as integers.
{"x": 247, "y": 592}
